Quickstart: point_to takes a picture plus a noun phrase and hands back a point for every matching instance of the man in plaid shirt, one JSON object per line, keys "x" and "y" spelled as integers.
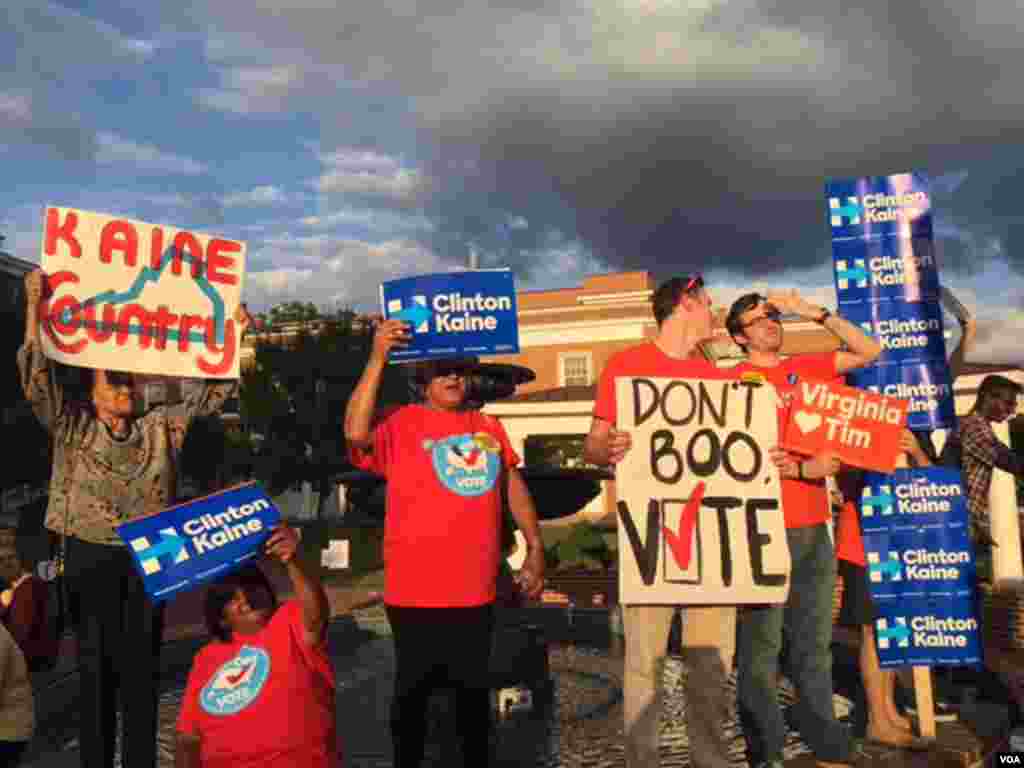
{"x": 976, "y": 449}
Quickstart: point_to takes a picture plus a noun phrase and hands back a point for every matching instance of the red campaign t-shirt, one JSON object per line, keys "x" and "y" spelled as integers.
{"x": 804, "y": 502}
{"x": 648, "y": 360}
{"x": 442, "y": 542}
{"x": 264, "y": 700}
{"x": 849, "y": 543}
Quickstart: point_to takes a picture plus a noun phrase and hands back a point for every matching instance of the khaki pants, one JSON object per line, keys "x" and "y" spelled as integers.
{"x": 709, "y": 644}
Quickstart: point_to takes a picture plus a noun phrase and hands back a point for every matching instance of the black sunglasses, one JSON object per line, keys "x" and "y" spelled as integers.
{"x": 441, "y": 370}
{"x": 770, "y": 313}
{"x": 120, "y": 379}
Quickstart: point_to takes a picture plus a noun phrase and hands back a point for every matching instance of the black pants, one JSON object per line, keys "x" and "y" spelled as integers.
{"x": 119, "y": 633}
{"x": 441, "y": 647}
{"x": 10, "y": 753}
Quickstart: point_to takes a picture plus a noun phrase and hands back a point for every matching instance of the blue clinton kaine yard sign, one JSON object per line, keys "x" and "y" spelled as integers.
{"x": 191, "y": 544}
{"x": 454, "y": 314}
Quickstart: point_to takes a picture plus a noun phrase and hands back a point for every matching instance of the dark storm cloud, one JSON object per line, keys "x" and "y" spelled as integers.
{"x": 670, "y": 138}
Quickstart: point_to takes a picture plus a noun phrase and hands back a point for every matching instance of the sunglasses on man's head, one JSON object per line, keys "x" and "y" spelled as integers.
{"x": 771, "y": 312}
{"x": 693, "y": 284}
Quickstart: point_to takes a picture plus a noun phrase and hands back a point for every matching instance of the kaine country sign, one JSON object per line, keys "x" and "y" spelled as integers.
{"x": 454, "y": 314}
{"x": 125, "y": 295}
{"x": 921, "y": 570}
{"x": 185, "y": 546}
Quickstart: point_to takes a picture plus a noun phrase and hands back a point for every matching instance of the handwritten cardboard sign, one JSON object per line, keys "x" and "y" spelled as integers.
{"x": 699, "y": 501}
{"x": 129, "y": 296}
{"x": 861, "y": 427}
{"x": 188, "y": 545}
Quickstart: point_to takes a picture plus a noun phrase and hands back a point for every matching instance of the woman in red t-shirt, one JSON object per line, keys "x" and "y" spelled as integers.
{"x": 261, "y": 693}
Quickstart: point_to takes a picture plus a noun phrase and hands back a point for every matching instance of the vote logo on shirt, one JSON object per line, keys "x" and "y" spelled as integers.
{"x": 237, "y": 682}
{"x": 466, "y": 464}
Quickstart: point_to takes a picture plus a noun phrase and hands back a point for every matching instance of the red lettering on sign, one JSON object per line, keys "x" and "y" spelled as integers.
{"x": 124, "y": 321}
{"x": 217, "y": 258}
{"x": 118, "y": 235}
{"x": 156, "y": 248}
{"x": 227, "y": 349}
{"x": 92, "y": 327}
{"x": 187, "y": 241}
{"x": 188, "y": 322}
{"x": 163, "y": 319}
{"x": 57, "y": 230}
{"x": 48, "y": 319}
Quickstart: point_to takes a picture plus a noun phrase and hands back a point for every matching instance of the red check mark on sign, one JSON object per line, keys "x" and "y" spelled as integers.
{"x": 682, "y": 545}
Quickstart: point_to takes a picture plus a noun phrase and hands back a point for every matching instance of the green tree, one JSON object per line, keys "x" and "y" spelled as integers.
{"x": 296, "y": 396}
{"x": 293, "y": 311}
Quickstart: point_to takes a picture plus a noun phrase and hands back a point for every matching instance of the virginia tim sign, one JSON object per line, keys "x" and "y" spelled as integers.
{"x": 861, "y": 427}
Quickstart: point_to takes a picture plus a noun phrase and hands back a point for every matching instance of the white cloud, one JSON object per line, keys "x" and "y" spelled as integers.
{"x": 335, "y": 271}
{"x": 370, "y": 174}
{"x": 262, "y": 195}
{"x": 16, "y": 107}
{"x": 403, "y": 185}
{"x": 371, "y": 219}
{"x": 251, "y": 90}
{"x": 117, "y": 150}
{"x": 279, "y": 283}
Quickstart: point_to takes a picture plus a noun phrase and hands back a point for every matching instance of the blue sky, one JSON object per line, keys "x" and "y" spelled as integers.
{"x": 351, "y": 143}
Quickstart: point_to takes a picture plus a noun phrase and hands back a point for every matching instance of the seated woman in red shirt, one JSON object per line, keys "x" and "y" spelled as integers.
{"x": 261, "y": 693}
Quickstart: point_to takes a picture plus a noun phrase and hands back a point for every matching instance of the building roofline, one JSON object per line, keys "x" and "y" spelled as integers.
{"x": 11, "y": 265}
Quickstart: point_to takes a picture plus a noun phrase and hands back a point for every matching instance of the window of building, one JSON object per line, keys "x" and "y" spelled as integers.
{"x": 574, "y": 369}
{"x": 564, "y": 451}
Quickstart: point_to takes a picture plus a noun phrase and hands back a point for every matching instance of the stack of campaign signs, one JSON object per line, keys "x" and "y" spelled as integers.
{"x": 921, "y": 568}
{"x": 920, "y": 561}
{"x": 887, "y": 282}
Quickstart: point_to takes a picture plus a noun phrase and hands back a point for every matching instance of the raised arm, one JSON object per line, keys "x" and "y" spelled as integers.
{"x": 35, "y": 371}
{"x": 363, "y": 402}
{"x": 309, "y": 591}
{"x": 957, "y": 360}
{"x": 861, "y": 349}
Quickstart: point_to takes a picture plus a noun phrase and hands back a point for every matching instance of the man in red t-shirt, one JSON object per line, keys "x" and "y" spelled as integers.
{"x": 754, "y": 322}
{"x": 682, "y": 309}
{"x": 261, "y": 694}
{"x": 448, "y": 468}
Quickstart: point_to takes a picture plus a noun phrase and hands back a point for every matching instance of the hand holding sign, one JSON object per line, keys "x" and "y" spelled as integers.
{"x": 619, "y": 443}
{"x": 282, "y": 543}
{"x": 389, "y": 334}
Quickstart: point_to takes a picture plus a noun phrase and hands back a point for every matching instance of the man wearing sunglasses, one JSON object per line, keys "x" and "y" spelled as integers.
{"x": 754, "y": 322}
{"x": 448, "y": 468}
{"x": 682, "y": 310}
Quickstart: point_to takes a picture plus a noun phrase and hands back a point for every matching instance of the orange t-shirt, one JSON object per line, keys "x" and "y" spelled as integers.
{"x": 849, "y": 544}
{"x": 804, "y": 502}
{"x": 648, "y": 360}
{"x": 442, "y": 526}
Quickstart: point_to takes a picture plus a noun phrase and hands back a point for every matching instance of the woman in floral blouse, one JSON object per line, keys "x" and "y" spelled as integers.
{"x": 109, "y": 467}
